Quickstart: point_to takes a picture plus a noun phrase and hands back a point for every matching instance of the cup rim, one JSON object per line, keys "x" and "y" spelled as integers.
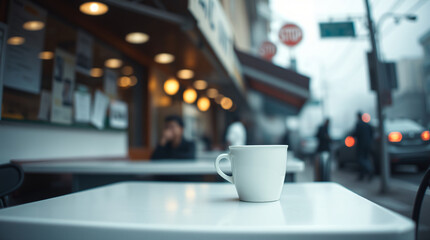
{"x": 258, "y": 146}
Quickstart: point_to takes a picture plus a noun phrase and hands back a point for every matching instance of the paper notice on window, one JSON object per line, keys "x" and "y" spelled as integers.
{"x": 44, "y": 106}
{"x": 118, "y": 114}
{"x": 109, "y": 84}
{"x": 63, "y": 84}
{"x": 82, "y": 106}
{"x": 84, "y": 53}
{"x": 23, "y": 68}
{"x": 99, "y": 109}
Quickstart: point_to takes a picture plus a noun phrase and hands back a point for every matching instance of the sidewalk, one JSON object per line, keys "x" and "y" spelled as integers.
{"x": 400, "y": 198}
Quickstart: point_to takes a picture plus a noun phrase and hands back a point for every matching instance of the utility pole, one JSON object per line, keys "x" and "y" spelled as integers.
{"x": 384, "y": 163}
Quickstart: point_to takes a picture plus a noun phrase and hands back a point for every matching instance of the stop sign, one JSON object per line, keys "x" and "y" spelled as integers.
{"x": 290, "y": 34}
{"x": 267, "y": 50}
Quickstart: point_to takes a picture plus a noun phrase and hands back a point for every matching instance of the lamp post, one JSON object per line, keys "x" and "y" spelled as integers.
{"x": 379, "y": 99}
{"x": 380, "y": 77}
{"x": 397, "y": 18}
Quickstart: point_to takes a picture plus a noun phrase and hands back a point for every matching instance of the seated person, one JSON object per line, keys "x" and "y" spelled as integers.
{"x": 172, "y": 144}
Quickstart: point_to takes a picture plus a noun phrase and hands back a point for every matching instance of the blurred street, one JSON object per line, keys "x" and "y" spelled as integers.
{"x": 404, "y": 185}
{"x": 408, "y": 174}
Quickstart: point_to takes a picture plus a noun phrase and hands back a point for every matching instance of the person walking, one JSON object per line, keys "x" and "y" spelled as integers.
{"x": 323, "y": 137}
{"x": 322, "y": 161}
{"x": 363, "y": 134}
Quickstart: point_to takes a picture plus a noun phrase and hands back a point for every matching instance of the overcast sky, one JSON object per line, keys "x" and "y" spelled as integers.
{"x": 338, "y": 67}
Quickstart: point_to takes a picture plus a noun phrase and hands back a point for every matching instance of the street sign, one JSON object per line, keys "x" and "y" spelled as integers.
{"x": 267, "y": 50}
{"x": 290, "y": 34}
{"x": 337, "y": 29}
{"x": 389, "y": 81}
{"x": 390, "y": 73}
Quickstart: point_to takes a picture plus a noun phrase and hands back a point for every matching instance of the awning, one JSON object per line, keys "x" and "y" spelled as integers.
{"x": 283, "y": 85}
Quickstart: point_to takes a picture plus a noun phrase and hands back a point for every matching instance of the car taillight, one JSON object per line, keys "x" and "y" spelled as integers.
{"x": 425, "y": 136}
{"x": 395, "y": 137}
{"x": 349, "y": 141}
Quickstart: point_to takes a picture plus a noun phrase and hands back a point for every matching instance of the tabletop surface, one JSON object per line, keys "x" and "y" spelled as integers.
{"x": 204, "y": 166}
{"x": 213, "y": 209}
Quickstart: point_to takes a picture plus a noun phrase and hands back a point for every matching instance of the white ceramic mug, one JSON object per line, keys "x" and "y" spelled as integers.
{"x": 258, "y": 171}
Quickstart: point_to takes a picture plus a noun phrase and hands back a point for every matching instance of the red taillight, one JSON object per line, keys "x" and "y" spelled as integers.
{"x": 365, "y": 117}
{"x": 349, "y": 141}
{"x": 395, "y": 137}
{"x": 425, "y": 136}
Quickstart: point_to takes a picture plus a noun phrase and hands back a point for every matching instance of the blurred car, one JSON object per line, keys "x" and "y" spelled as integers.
{"x": 408, "y": 143}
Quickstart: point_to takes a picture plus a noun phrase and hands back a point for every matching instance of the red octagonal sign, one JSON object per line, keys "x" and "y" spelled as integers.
{"x": 267, "y": 50}
{"x": 290, "y": 34}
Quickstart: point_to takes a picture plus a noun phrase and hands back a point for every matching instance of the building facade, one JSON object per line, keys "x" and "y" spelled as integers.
{"x": 410, "y": 92}
{"x": 425, "y": 42}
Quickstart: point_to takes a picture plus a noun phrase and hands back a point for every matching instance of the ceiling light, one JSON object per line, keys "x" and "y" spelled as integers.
{"x": 33, "y": 25}
{"x": 94, "y": 8}
{"x": 185, "y": 74}
{"x": 124, "y": 81}
{"x": 226, "y": 103}
{"x": 16, "y": 40}
{"x": 164, "y": 101}
{"x": 190, "y": 95}
{"x": 203, "y": 104}
{"x": 171, "y": 86}
{"x": 200, "y": 84}
{"x": 137, "y": 37}
{"x": 212, "y": 92}
{"x": 127, "y": 70}
{"x": 133, "y": 80}
{"x": 46, "y": 55}
{"x": 218, "y": 98}
{"x": 164, "y": 58}
{"x": 113, "y": 63}
{"x": 96, "y": 72}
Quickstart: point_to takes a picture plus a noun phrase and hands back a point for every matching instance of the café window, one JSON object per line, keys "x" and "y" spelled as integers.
{"x": 56, "y": 73}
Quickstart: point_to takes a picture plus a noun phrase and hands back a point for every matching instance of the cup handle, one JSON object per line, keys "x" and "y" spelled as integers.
{"x": 219, "y": 171}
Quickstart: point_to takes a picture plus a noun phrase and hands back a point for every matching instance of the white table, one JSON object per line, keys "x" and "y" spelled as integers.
{"x": 88, "y": 174}
{"x": 159, "y": 167}
{"x": 137, "y": 210}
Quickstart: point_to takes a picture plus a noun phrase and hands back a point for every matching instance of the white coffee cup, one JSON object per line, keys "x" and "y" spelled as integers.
{"x": 258, "y": 171}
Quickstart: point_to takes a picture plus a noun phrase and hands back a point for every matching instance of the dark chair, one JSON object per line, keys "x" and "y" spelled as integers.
{"x": 11, "y": 178}
{"x": 425, "y": 183}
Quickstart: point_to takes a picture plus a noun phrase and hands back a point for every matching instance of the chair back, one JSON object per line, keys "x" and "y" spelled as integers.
{"x": 425, "y": 183}
{"x": 11, "y": 178}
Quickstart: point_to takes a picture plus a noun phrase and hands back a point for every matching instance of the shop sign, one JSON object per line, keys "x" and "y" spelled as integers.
{"x": 214, "y": 25}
